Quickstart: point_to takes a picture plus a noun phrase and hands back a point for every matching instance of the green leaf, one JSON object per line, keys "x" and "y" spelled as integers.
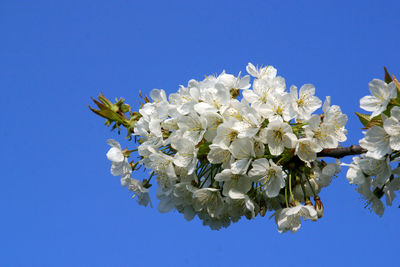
{"x": 388, "y": 78}
{"x": 375, "y": 121}
{"x": 364, "y": 118}
{"x": 368, "y": 122}
{"x": 396, "y": 82}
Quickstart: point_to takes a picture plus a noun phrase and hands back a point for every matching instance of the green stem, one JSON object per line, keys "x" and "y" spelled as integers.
{"x": 312, "y": 188}
{"x": 290, "y": 186}
{"x": 286, "y": 197}
{"x": 303, "y": 188}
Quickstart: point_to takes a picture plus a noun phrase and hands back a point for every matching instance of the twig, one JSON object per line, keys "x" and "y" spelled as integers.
{"x": 341, "y": 151}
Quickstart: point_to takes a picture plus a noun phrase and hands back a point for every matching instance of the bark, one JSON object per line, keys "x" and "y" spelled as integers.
{"x": 341, "y": 151}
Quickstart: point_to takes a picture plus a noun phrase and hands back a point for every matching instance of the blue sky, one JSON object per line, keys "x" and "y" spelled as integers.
{"x": 60, "y": 205}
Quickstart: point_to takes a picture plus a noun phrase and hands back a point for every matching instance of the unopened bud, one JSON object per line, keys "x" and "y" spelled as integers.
{"x": 308, "y": 202}
{"x": 263, "y": 210}
{"x": 319, "y": 207}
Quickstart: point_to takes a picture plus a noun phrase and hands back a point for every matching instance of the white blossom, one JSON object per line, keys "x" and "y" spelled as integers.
{"x": 208, "y": 199}
{"x": 304, "y": 103}
{"x": 306, "y": 149}
{"x": 376, "y": 204}
{"x": 288, "y": 219}
{"x": 268, "y": 72}
{"x": 222, "y": 156}
{"x": 322, "y": 133}
{"x": 278, "y": 135}
{"x": 243, "y": 151}
{"x": 381, "y": 95}
{"x": 376, "y": 141}
{"x": 235, "y": 185}
{"x": 269, "y": 175}
{"x": 333, "y": 115}
{"x": 120, "y": 165}
{"x": 392, "y": 128}
{"x": 186, "y": 155}
{"x": 390, "y": 188}
{"x": 141, "y": 192}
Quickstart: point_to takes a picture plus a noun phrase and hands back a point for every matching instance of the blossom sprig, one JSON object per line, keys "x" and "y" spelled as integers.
{"x": 231, "y": 146}
{"x": 376, "y": 172}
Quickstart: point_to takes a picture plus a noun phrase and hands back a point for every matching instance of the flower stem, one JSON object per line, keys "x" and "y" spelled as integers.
{"x": 312, "y": 188}
{"x": 290, "y": 186}
{"x": 303, "y": 188}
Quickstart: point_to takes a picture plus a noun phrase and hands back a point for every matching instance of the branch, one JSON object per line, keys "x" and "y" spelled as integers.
{"x": 341, "y": 151}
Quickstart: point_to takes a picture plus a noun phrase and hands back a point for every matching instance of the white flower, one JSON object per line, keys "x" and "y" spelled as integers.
{"x": 250, "y": 122}
{"x": 268, "y": 72}
{"x": 362, "y": 168}
{"x": 376, "y": 204}
{"x": 115, "y": 152}
{"x": 235, "y": 185}
{"x": 158, "y": 96}
{"x": 392, "y": 127}
{"x": 213, "y": 121}
{"x": 305, "y": 103}
{"x": 215, "y": 223}
{"x": 279, "y": 105}
{"x": 376, "y": 141}
{"x": 193, "y": 127}
{"x": 166, "y": 199}
{"x": 149, "y": 130}
{"x": 390, "y": 188}
{"x": 120, "y": 165}
{"x": 306, "y": 149}
{"x": 208, "y": 199}
{"x": 216, "y": 98}
{"x": 243, "y": 151}
{"x": 183, "y": 200}
{"x": 381, "y": 95}
{"x": 354, "y": 173}
{"x": 225, "y": 133}
{"x": 162, "y": 164}
{"x": 183, "y": 101}
{"x": 270, "y": 175}
{"x": 288, "y": 219}
{"x": 186, "y": 155}
{"x": 378, "y": 168}
{"x": 241, "y": 206}
{"x": 278, "y": 135}
{"x": 219, "y": 153}
{"x": 324, "y": 177}
{"x": 321, "y": 132}
{"x": 232, "y": 82}
{"x": 333, "y": 115}
{"x": 141, "y": 192}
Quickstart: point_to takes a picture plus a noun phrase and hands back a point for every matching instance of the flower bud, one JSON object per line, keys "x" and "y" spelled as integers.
{"x": 263, "y": 209}
{"x": 319, "y": 207}
{"x": 308, "y": 202}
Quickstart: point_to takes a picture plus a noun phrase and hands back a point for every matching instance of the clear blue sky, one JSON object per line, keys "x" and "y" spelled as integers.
{"x": 60, "y": 206}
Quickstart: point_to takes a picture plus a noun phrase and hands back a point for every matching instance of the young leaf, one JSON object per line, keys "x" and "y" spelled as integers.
{"x": 388, "y": 78}
{"x": 364, "y": 118}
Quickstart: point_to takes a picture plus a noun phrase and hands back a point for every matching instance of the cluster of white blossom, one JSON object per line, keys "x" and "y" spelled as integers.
{"x": 224, "y": 147}
{"x": 373, "y": 171}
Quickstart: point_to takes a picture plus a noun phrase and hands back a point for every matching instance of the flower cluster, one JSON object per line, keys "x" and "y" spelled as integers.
{"x": 374, "y": 172}
{"x": 229, "y": 146}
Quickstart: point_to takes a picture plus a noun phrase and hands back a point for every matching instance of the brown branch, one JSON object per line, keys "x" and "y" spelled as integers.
{"x": 341, "y": 151}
